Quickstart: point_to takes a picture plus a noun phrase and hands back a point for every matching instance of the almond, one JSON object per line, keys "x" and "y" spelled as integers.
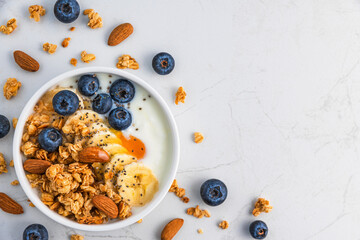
{"x": 106, "y": 205}
{"x": 171, "y": 229}
{"x": 93, "y": 154}
{"x": 8, "y": 205}
{"x": 120, "y": 33}
{"x": 26, "y": 62}
{"x": 36, "y": 166}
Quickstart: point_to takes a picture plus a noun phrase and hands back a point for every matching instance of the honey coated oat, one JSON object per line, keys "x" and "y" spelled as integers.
{"x": 11, "y": 88}
{"x": 36, "y": 11}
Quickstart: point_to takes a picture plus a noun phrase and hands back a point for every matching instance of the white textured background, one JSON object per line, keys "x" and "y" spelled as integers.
{"x": 273, "y": 85}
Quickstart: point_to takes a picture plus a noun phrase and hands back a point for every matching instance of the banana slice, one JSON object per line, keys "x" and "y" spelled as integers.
{"x": 137, "y": 184}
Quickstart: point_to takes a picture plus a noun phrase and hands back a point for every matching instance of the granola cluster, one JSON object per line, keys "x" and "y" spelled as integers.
{"x": 65, "y": 42}
{"x": 73, "y": 62}
{"x": 126, "y": 61}
{"x": 36, "y": 11}
{"x": 76, "y": 237}
{"x": 87, "y": 57}
{"x": 50, "y": 48}
{"x": 261, "y": 205}
{"x": 10, "y": 26}
{"x": 180, "y": 96}
{"x": 180, "y": 192}
{"x": 224, "y": 224}
{"x": 198, "y": 137}
{"x": 197, "y": 212}
{"x": 3, "y": 168}
{"x": 95, "y": 21}
{"x": 11, "y": 88}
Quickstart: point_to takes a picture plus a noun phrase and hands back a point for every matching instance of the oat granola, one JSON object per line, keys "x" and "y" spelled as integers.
{"x": 11, "y": 164}
{"x": 15, "y": 183}
{"x": 50, "y": 48}
{"x": 76, "y": 237}
{"x": 179, "y": 192}
{"x": 14, "y": 122}
{"x": 198, "y": 137}
{"x": 3, "y": 168}
{"x": 73, "y": 62}
{"x": 11, "y": 25}
{"x": 261, "y": 205}
{"x": 11, "y": 88}
{"x": 87, "y": 57}
{"x": 224, "y": 225}
{"x": 36, "y": 11}
{"x": 126, "y": 61}
{"x": 65, "y": 42}
{"x": 180, "y": 95}
{"x": 197, "y": 212}
{"x": 200, "y": 231}
{"x": 95, "y": 21}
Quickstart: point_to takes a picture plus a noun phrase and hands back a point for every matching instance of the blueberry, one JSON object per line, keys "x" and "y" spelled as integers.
{"x": 50, "y": 139}
{"x": 163, "y": 63}
{"x": 122, "y": 91}
{"x": 65, "y": 102}
{"x": 213, "y": 192}
{"x": 35, "y": 232}
{"x": 88, "y": 84}
{"x": 120, "y": 118}
{"x": 4, "y": 126}
{"x": 102, "y": 103}
{"x": 66, "y": 11}
{"x": 258, "y": 229}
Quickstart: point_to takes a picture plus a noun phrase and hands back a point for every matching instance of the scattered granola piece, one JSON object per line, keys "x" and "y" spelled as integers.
{"x": 72, "y": 29}
{"x": 10, "y": 26}
{"x": 87, "y": 57}
{"x": 95, "y": 21}
{"x": 180, "y": 96}
{"x": 200, "y": 231}
{"x": 15, "y": 183}
{"x": 3, "y": 168}
{"x": 11, "y": 88}
{"x": 124, "y": 210}
{"x": 197, "y": 212}
{"x": 261, "y": 205}
{"x": 11, "y": 164}
{"x": 198, "y": 137}
{"x": 76, "y": 237}
{"x": 14, "y": 123}
{"x": 73, "y": 62}
{"x": 126, "y": 61}
{"x": 31, "y": 204}
{"x": 180, "y": 192}
{"x": 224, "y": 224}
{"x": 36, "y": 11}
{"x": 65, "y": 42}
{"x": 140, "y": 221}
{"x": 50, "y": 48}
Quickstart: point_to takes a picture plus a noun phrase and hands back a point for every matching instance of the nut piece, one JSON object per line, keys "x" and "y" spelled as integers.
{"x": 10, "y": 26}
{"x": 95, "y": 21}
{"x": 36, "y": 11}
{"x": 224, "y": 224}
{"x": 261, "y": 205}
{"x": 105, "y": 205}
{"x": 26, "y": 62}
{"x": 126, "y": 61}
{"x": 76, "y": 237}
{"x": 120, "y": 33}
{"x": 198, "y": 137}
{"x": 50, "y": 48}
{"x": 171, "y": 229}
{"x": 93, "y": 154}
{"x": 8, "y": 205}
{"x": 73, "y": 62}
{"x": 11, "y": 88}
{"x": 3, "y": 168}
{"x": 65, "y": 42}
{"x": 180, "y": 96}
{"x": 36, "y": 166}
{"x": 87, "y": 57}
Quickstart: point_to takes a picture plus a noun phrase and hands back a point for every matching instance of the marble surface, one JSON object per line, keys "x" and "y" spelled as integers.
{"x": 273, "y": 85}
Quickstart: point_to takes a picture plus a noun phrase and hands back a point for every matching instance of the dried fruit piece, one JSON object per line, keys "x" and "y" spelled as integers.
{"x": 50, "y": 48}
{"x": 120, "y": 33}
{"x": 126, "y": 61}
{"x": 36, "y": 166}
{"x": 10, "y": 26}
{"x": 36, "y": 11}
{"x": 11, "y": 88}
{"x": 95, "y": 21}
{"x": 93, "y": 154}
{"x": 171, "y": 229}
{"x": 106, "y": 205}
{"x": 180, "y": 95}
{"x": 87, "y": 57}
{"x": 26, "y": 62}
{"x": 65, "y": 42}
{"x": 9, "y": 205}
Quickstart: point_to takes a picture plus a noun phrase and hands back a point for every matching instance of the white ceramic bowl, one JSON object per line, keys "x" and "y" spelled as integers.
{"x": 33, "y": 193}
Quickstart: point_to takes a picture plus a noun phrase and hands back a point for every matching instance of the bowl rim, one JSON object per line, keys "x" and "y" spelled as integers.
{"x": 18, "y": 162}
